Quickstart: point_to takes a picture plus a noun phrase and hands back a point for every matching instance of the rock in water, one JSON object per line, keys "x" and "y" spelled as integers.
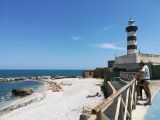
{"x": 22, "y": 92}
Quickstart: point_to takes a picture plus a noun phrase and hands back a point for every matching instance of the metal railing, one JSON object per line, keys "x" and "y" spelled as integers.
{"x": 120, "y": 104}
{"x": 127, "y": 76}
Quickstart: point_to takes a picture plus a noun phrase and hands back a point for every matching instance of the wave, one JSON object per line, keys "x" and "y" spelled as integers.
{"x": 2, "y": 97}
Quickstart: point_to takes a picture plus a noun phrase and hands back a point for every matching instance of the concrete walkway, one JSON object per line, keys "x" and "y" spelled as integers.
{"x": 140, "y": 111}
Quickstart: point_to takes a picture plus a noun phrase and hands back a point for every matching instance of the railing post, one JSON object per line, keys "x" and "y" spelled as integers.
{"x": 126, "y": 107}
{"x": 122, "y": 111}
{"x": 102, "y": 116}
{"x": 130, "y": 103}
{"x": 118, "y": 107}
{"x": 134, "y": 97}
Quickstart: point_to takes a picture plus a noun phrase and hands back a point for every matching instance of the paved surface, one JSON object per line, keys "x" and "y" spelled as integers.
{"x": 140, "y": 111}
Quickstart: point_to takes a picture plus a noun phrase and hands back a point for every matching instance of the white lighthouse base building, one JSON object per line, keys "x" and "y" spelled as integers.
{"x": 131, "y": 61}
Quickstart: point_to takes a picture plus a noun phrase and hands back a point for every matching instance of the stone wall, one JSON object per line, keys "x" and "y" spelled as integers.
{"x": 125, "y": 59}
{"x": 136, "y": 58}
{"x": 154, "y": 69}
{"x": 88, "y": 73}
{"x": 155, "y": 72}
{"x": 107, "y": 89}
{"x": 99, "y": 72}
{"x": 127, "y": 67}
{"x": 148, "y": 58}
{"x": 109, "y": 74}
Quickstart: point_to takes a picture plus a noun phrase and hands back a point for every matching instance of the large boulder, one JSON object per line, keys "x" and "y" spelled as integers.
{"x": 22, "y": 92}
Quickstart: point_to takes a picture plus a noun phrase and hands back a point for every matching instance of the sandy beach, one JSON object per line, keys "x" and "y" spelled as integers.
{"x": 67, "y": 104}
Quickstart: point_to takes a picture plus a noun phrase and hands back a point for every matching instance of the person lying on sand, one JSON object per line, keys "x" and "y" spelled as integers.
{"x": 97, "y": 94}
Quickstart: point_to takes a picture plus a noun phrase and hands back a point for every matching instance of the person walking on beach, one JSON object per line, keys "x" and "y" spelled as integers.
{"x": 145, "y": 77}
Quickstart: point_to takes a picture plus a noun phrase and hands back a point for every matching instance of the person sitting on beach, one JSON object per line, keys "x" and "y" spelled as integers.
{"x": 144, "y": 80}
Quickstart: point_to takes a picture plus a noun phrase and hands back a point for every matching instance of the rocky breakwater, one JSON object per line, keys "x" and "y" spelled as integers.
{"x": 54, "y": 86}
{"x": 22, "y": 92}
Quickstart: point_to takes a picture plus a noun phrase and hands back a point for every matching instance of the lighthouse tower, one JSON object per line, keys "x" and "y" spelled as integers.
{"x": 131, "y": 37}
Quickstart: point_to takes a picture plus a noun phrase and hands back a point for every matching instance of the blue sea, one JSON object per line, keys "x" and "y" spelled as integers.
{"x": 26, "y": 73}
{"x": 153, "y": 112}
{"x": 6, "y": 90}
{"x": 6, "y": 87}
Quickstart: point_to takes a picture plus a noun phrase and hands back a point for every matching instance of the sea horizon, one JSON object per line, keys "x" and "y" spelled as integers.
{"x": 26, "y": 73}
{"x": 42, "y": 69}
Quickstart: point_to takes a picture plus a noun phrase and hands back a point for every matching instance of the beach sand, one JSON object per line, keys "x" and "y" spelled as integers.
{"x": 64, "y": 105}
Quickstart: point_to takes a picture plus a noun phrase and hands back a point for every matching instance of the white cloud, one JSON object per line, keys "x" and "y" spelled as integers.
{"x": 108, "y": 46}
{"x": 75, "y": 38}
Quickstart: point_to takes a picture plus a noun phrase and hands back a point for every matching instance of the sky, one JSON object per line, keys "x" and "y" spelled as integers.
{"x": 73, "y": 34}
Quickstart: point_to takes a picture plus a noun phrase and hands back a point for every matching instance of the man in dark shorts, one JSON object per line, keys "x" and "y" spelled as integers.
{"x": 145, "y": 77}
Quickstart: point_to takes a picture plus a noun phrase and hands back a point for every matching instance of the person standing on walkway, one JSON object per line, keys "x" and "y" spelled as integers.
{"x": 145, "y": 80}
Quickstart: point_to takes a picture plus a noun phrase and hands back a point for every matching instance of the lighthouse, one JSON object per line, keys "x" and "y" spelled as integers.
{"x": 131, "y": 61}
{"x": 131, "y": 37}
